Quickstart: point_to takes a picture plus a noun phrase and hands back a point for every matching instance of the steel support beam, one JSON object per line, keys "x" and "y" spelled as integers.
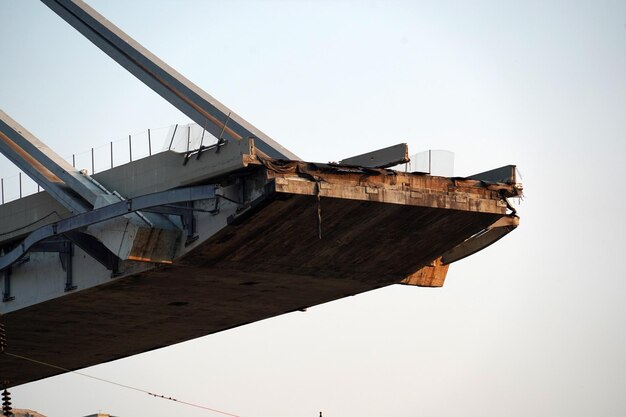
{"x": 62, "y": 246}
{"x": 380, "y": 158}
{"x": 202, "y": 108}
{"x": 94, "y": 248}
{"x": 505, "y": 174}
{"x": 108, "y": 212}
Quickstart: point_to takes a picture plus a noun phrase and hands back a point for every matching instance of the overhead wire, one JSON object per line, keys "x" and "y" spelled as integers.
{"x": 164, "y": 397}
{"x": 32, "y": 223}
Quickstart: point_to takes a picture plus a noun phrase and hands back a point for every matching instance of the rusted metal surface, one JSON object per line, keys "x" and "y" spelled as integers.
{"x": 19, "y": 152}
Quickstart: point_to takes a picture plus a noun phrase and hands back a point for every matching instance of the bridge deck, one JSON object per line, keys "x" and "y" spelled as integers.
{"x": 377, "y": 227}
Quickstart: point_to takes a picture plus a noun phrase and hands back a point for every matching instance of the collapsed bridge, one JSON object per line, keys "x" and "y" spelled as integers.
{"x": 176, "y": 246}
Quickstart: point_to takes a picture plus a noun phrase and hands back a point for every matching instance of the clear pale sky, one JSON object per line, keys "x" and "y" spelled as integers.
{"x": 534, "y": 325}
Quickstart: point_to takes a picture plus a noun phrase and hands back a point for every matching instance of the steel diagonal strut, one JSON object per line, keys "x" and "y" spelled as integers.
{"x": 111, "y": 211}
{"x": 202, "y": 108}
{"x": 64, "y": 182}
{"x": 80, "y": 193}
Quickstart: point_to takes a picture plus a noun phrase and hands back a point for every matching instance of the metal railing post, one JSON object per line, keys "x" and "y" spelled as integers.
{"x": 93, "y": 170}
{"x": 202, "y": 138}
{"x": 20, "y": 181}
{"x": 111, "y": 154}
{"x": 172, "y": 140}
{"x": 2, "y": 189}
{"x": 149, "y": 144}
{"x": 188, "y": 137}
{"x": 429, "y": 161}
{"x": 130, "y": 148}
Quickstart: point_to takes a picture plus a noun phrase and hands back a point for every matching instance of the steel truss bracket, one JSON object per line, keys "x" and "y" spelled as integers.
{"x": 94, "y": 248}
{"x": 63, "y": 246}
{"x": 186, "y": 212}
{"x": 111, "y": 211}
{"x": 56, "y": 244}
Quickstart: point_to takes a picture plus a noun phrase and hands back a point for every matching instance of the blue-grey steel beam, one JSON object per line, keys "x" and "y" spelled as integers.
{"x": 202, "y": 108}
{"x": 380, "y": 158}
{"x": 200, "y": 192}
{"x": 65, "y": 183}
{"x": 94, "y": 248}
{"x": 506, "y": 174}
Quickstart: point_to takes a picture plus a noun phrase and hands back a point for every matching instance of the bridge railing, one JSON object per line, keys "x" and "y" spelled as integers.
{"x": 179, "y": 138}
{"x": 16, "y": 186}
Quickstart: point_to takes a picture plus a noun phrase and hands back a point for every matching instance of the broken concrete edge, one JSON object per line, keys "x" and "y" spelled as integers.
{"x": 283, "y": 166}
{"x": 433, "y": 275}
{"x": 387, "y": 186}
{"x": 247, "y": 161}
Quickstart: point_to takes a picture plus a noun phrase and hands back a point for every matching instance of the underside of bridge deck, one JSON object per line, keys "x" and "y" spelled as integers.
{"x": 293, "y": 250}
